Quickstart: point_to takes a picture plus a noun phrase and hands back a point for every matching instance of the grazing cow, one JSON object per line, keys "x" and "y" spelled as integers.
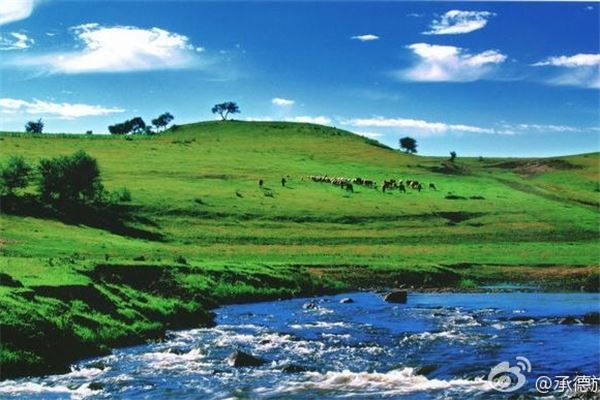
{"x": 419, "y": 187}
{"x": 402, "y": 188}
{"x": 283, "y": 182}
{"x": 432, "y": 186}
{"x": 260, "y": 183}
{"x": 349, "y": 187}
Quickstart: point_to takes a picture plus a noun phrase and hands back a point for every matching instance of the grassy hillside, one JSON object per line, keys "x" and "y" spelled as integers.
{"x": 201, "y": 231}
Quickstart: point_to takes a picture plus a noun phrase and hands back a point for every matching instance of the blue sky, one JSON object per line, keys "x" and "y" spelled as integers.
{"x": 487, "y": 78}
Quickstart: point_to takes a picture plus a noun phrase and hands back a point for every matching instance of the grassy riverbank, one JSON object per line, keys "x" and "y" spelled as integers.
{"x": 201, "y": 232}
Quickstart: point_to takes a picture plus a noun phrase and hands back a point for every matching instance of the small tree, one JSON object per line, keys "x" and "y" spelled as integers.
{"x": 34, "y": 126}
{"x": 452, "y": 156}
{"x": 408, "y": 144}
{"x": 70, "y": 179}
{"x": 137, "y": 125}
{"x": 15, "y": 175}
{"x": 224, "y": 109}
{"x": 162, "y": 121}
{"x": 120, "y": 129}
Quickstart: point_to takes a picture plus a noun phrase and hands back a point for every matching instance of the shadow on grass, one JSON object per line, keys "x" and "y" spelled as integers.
{"x": 115, "y": 218}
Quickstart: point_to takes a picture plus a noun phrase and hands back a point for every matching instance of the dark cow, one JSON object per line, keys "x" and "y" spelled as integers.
{"x": 283, "y": 182}
{"x": 432, "y": 186}
{"x": 402, "y": 188}
{"x": 260, "y": 183}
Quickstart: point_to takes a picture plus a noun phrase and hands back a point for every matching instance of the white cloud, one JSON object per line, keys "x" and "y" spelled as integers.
{"x": 320, "y": 120}
{"x": 545, "y": 128}
{"x": 578, "y": 60}
{"x": 15, "y": 10}
{"x": 59, "y": 110}
{"x": 15, "y": 41}
{"x": 449, "y": 63}
{"x": 119, "y": 49}
{"x": 456, "y": 22}
{"x": 258, "y": 119}
{"x": 365, "y": 38}
{"x": 370, "y": 135}
{"x": 416, "y": 124}
{"x": 279, "y": 101}
{"x": 582, "y": 70}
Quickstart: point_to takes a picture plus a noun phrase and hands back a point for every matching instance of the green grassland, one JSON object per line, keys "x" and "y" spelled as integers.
{"x": 202, "y": 232}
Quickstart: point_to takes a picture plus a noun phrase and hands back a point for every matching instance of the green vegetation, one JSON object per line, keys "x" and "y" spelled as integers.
{"x": 194, "y": 229}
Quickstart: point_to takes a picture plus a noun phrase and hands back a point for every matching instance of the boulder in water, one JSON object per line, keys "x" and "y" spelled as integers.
{"x": 397, "y": 296}
{"x": 425, "y": 370}
{"x": 522, "y": 318}
{"x": 346, "y": 300}
{"x": 569, "y": 320}
{"x": 95, "y": 386}
{"x": 309, "y": 306}
{"x": 293, "y": 369}
{"x": 240, "y": 359}
{"x": 592, "y": 318}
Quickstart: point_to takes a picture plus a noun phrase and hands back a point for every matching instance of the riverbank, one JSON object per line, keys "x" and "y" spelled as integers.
{"x": 353, "y": 344}
{"x": 45, "y": 328}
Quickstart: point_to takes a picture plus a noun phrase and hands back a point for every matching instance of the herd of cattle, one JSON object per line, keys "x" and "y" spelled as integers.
{"x": 387, "y": 185}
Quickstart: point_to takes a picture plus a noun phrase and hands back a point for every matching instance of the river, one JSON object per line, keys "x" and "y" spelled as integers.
{"x": 436, "y": 346}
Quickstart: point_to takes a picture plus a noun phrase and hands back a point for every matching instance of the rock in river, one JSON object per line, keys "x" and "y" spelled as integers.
{"x": 241, "y": 359}
{"x": 293, "y": 369}
{"x": 592, "y": 318}
{"x": 397, "y": 296}
{"x": 346, "y": 300}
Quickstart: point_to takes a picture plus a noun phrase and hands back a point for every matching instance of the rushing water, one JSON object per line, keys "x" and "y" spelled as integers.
{"x": 368, "y": 349}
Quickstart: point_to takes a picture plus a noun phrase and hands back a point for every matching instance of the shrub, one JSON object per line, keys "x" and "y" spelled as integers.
{"x": 74, "y": 178}
{"x": 181, "y": 260}
{"x": 122, "y": 195}
{"x": 34, "y": 126}
{"x": 15, "y": 175}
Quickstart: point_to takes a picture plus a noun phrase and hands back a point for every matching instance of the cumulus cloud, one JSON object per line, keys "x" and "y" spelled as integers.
{"x": 455, "y": 22}
{"x": 438, "y": 63}
{"x": 279, "y": 101}
{"x": 321, "y": 120}
{"x": 581, "y": 70}
{"x": 15, "y": 10}
{"x": 59, "y": 110}
{"x": 416, "y": 124}
{"x": 365, "y": 38}
{"x": 15, "y": 41}
{"x": 119, "y": 49}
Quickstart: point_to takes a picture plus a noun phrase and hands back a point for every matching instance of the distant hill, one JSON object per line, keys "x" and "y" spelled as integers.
{"x": 207, "y": 233}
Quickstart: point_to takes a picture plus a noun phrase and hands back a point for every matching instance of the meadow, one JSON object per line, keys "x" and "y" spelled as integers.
{"x": 202, "y": 231}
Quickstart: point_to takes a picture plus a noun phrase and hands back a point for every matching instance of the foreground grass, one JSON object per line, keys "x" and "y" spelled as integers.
{"x": 217, "y": 237}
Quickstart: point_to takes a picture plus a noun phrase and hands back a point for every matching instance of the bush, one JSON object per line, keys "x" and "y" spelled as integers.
{"x": 70, "y": 179}
{"x": 122, "y": 195}
{"x": 15, "y": 175}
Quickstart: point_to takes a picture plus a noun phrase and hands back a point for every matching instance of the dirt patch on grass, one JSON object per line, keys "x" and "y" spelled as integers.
{"x": 535, "y": 167}
{"x": 458, "y": 216}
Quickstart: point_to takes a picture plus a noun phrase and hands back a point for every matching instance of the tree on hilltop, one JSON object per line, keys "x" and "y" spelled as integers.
{"x": 162, "y": 121}
{"x": 225, "y": 109}
{"x": 408, "y": 144}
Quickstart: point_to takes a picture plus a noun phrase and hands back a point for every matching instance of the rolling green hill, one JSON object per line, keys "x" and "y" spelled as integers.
{"x": 200, "y": 231}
